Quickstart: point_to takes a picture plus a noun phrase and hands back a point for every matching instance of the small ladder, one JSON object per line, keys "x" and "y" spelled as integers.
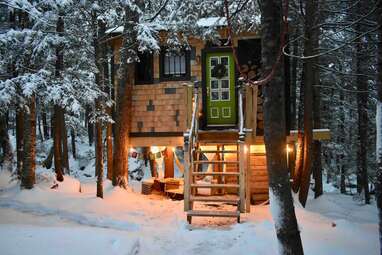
{"x": 191, "y": 186}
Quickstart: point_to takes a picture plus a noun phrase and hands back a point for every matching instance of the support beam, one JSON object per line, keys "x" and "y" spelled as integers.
{"x": 187, "y": 176}
{"x": 318, "y": 134}
{"x": 168, "y": 163}
{"x": 242, "y": 182}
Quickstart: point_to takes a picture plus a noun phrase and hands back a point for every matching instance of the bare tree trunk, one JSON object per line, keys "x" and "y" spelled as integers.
{"x": 47, "y": 163}
{"x": 57, "y": 143}
{"x": 275, "y": 133}
{"x": 109, "y": 144}
{"x": 45, "y": 123}
{"x": 308, "y": 101}
{"x": 378, "y": 186}
{"x": 293, "y": 86}
{"x": 363, "y": 119}
{"x": 6, "y": 147}
{"x": 341, "y": 153}
{"x": 29, "y": 162}
{"x": 73, "y": 140}
{"x": 64, "y": 137}
{"x": 316, "y": 147}
{"x": 90, "y": 126}
{"x": 99, "y": 159}
{"x": 38, "y": 114}
{"x": 57, "y": 116}
{"x": 100, "y": 58}
{"x": 19, "y": 140}
{"x": 123, "y": 111}
{"x": 300, "y": 116}
{"x": 299, "y": 162}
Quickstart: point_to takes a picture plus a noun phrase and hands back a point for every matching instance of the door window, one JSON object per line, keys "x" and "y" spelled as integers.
{"x": 220, "y": 79}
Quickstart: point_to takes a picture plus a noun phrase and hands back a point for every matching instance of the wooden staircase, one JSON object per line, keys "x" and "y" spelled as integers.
{"x": 226, "y": 187}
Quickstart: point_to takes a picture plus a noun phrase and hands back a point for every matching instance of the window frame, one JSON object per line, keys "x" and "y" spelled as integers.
{"x": 171, "y": 77}
{"x": 148, "y": 81}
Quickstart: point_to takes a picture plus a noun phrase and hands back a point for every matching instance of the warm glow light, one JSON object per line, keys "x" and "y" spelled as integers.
{"x": 154, "y": 149}
{"x": 245, "y": 148}
{"x": 173, "y": 149}
{"x": 289, "y": 149}
{"x": 132, "y": 150}
{"x": 257, "y": 148}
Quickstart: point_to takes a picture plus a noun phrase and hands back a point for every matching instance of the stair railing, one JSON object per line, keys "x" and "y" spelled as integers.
{"x": 241, "y": 110}
{"x": 190, "y": 145}
{"x": 241, "y": 142}
{"x": 193, "y": 133}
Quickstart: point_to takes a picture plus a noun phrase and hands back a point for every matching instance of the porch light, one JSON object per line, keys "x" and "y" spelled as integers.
{"x": 289, "y": 149}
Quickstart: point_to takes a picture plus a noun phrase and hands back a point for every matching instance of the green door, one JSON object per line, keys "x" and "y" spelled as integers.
{"x": 221, "y": 93}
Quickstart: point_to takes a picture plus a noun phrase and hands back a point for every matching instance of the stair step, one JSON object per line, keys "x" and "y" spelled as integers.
{"x": 213, "y": 142}
{"x": 215, "y": 151}
{"x": 215, "y": 162}
{"x": 229, "y": 130}
{"x": 216, "y": 173}
{"x": 225, "y": 199}
{"x": 208, "y": 185}
{"x": 198, "y": 213}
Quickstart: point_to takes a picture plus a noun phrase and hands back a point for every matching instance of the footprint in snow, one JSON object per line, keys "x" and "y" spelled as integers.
{"x": 135, "y": 248}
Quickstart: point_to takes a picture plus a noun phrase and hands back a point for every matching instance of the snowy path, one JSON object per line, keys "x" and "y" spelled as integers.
{"x": 88, "y": 220}
{"x": 64, "y": 221}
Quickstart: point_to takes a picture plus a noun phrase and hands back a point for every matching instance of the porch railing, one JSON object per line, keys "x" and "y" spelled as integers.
{"x": 190, "y": 145}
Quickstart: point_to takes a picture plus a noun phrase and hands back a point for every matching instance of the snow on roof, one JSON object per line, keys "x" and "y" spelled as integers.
{"x": 203, "y": 22}
{"x": 212, "y": 22}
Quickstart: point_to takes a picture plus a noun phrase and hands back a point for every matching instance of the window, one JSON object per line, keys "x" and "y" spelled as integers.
{"x": 144, "y": 68}
{"x": 175, "y": 65}
{"x": 219, "y": 81}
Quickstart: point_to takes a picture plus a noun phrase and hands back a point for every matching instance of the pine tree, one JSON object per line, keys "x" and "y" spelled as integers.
{"x": 28, "y": 176}
{"x": 275, "y": 133}
{"x": 125, "y": 86}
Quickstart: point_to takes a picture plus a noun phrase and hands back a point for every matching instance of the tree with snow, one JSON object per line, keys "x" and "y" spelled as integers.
{"x": 281, "y": 201}
{"x": 378, "y": 188}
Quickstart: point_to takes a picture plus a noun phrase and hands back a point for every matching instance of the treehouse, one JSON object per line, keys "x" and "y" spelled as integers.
{"x": 192, "y": 98}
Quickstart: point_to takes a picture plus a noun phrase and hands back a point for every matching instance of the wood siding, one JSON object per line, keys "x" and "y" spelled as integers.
{"x": 159, "y": 108}
{"x": 258, "y": 182}
{"x": 259, "y": 178}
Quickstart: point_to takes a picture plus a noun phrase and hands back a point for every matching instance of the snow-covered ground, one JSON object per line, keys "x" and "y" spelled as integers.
{"x": 66, "y": 221}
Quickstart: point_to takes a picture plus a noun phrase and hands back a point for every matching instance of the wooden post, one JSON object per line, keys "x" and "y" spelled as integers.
{"x": 254, "y": 112}
{"x": 242, "y": 181}
{"x": 249, "y": 108}
{"x": 218, "y": 168}
{"x": 187, "y": 189}
{"x": 250, "y": 123}
{"x": 149, "y": 157}
{"x": 168, "y": 163}
{"x": 189, "y": 93}
{"x": 248, "y": 173}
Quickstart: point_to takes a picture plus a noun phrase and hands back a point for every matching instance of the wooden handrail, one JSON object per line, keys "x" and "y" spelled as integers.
{"x": 190, "y": 144}
{"x": 241, "y": 110}
{"x": 193, "y": 132}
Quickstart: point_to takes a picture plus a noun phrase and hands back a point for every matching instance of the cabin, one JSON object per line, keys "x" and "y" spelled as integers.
{"x": 193, "y": 99}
